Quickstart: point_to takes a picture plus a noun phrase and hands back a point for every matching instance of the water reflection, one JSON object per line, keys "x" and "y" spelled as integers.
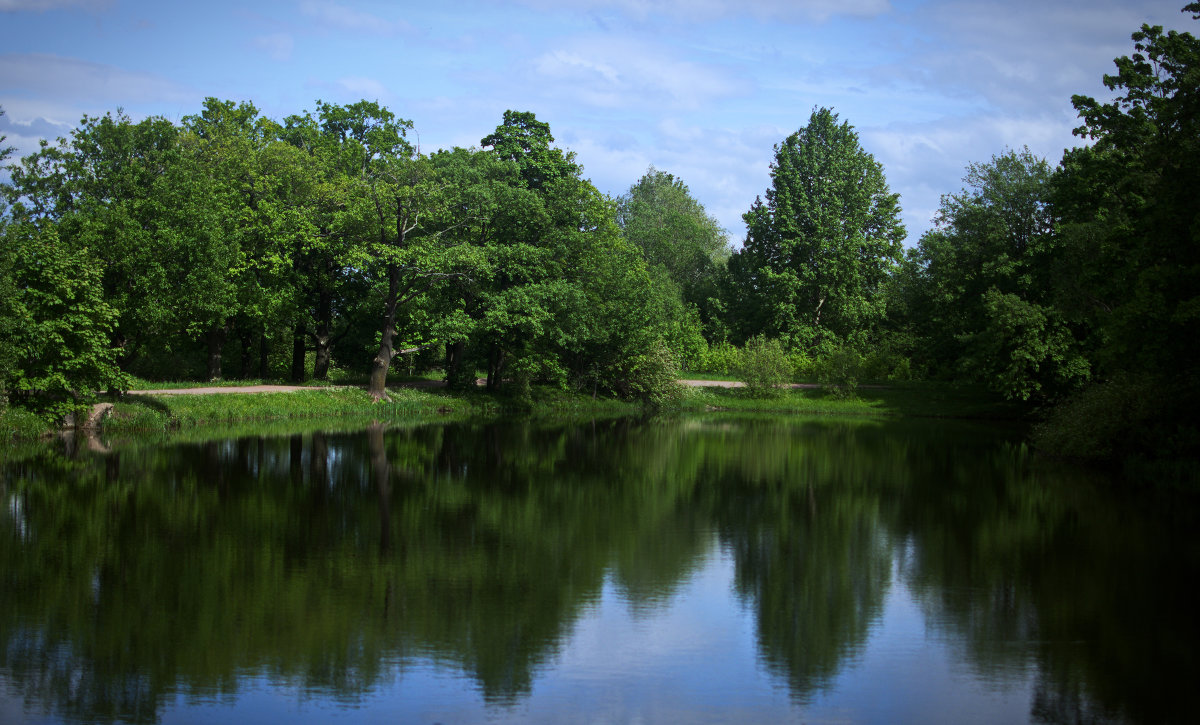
{"x": 341, "y": 565}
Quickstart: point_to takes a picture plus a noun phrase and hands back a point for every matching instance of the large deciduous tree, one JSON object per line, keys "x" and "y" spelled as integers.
{"x": 1129, "y": 211}
{"x": 1130, "y": 256}
{"x": 402, "y": 208}
{"x": 138, "y": 197}
{"x": 981, "y": 284}
{"x": 821, "y": 246}
{"x": 678, "y": 237}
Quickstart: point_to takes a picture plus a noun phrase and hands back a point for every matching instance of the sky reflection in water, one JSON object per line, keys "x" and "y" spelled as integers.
{"x": 704, "y": 570}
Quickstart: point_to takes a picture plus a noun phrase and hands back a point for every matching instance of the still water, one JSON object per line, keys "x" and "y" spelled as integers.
{"x": 711, "y": 570}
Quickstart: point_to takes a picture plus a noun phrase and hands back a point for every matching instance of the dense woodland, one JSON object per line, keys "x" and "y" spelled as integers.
{"x": 235, "y": 245}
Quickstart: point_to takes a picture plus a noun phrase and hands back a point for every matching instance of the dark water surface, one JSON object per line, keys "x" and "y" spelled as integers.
{"x": 699, "y": 570}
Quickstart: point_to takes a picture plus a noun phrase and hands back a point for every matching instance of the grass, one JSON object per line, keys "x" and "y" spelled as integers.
{"x": 16, "y": 423}
{"x": 171, "y": 412}
{"x": 168, "y": 413}
{"x": 924, "y": 399}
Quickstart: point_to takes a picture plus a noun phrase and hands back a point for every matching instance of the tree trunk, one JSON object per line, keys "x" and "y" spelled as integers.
{"x": 496, "y": 360}
{"x": 458, "y": 376}
{"x": 321, "y": 362}
{"x": 247, "y": 356}
{"x": 298, "y": 353}
{"x": 263, "y": 369}
{"x": 323, "y": 335}
{"x": 376, "y": 388}
{"x": 216, "y": 342}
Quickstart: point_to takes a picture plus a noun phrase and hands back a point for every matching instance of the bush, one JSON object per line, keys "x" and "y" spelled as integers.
{"x": 765, "y": 367}
{"x": 801, "y": 364}
{"x": 1106, "y": 422}
{"x": 57, "y": 324}
{"x": 652, "y": 377}
{"x": 839, "y": 369}
{"x": 722, "y": 359}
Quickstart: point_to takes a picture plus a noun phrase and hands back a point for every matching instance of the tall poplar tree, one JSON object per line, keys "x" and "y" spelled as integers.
{"x": 821, "y": 246}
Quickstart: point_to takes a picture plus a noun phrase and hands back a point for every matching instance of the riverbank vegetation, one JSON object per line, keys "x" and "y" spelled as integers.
{"x": 230, "y": 245}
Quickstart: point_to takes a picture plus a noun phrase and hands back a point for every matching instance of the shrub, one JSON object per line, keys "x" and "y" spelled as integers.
{"x": 1103, "y": 422}
{"x": 801, "y": 364}
{"x": 765, "y": 367}
{"x": 652, "y": 377}
{"x": 722, "y": 359}
{"x": 839, "y": 369}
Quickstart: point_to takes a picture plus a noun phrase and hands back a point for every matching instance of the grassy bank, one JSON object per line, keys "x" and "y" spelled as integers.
{"x": 171, "y": 412}
{"x": 923, "y": 399}
{"x": 166, "y": 413}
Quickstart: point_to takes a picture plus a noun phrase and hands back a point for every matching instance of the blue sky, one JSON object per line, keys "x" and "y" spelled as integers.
{"x": 701, "y": 88}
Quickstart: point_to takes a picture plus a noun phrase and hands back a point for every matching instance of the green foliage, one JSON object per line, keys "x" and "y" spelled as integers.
{"x": 819, "y": 250}
{"x": 676, "y": 234}
{"x": 979, "y": 286}
{"x": 1129, "y": 265}
{"x": 651, "y": 377}
{"x": 139, "y": 198}
{"x": 1130, "y": 222}
{"x": 1103, "y": 422}
{"x": 58, "y": 324}
{"x": 722, "y": 358}
{"x": 838, "y": 369}
{"x": 764, "y": 366}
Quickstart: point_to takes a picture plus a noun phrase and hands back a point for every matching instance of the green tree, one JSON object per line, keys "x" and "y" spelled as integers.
{"x": 566, "y": 298}
{"x": 821, "y": 247}
{"x": 57, "y": 323}
{"x": 229, "y": 139}
{"x": 1130, "y": 259}
{"x": 138, "y": 197}
{"x": 980, "y": 283}
{"x": 8, "y": 290}
{"x": 1131, "y": 225}
{"x": 402, "y": 209}
{"x": 676, "y": 235}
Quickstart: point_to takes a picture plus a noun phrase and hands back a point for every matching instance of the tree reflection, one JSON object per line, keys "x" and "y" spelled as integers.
{"x": 801, "y": 512}
{"x": 1087, "y": 588}
{"x": 334, "y": 561}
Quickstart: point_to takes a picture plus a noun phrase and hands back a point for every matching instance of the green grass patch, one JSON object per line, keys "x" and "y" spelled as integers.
{"x": 17, "y": 423}
{"x": 917, "y": 399}
{"x": 173, "y": 412}
{"x": 168, "y": 412}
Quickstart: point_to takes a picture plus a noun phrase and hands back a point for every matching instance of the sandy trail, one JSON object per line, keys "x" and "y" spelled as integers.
{"x": 422, "y": 384}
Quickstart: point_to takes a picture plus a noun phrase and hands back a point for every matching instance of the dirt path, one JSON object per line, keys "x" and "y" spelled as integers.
{"x": 736, "y": 384}
{"x": 209, "y": 390}
{"x": 421, "y": 384}
{"x": 226, "y": 389}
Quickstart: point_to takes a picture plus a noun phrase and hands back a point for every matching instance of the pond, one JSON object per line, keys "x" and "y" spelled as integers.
{"x": 708, "y": 569}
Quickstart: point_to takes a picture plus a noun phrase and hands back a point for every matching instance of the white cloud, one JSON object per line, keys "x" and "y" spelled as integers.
{"x": 86, "y": 82}
{"x": 361, "y": 87}
{"x": 277, "y": 45}
{"x": 926, "y": 160}
{"x": 1021, "y": 54}
{"x": 338, "y": 16}
{"x": 24, "y": 136}
{"x": 706, "y": 10}
{"x": 610, "y": 73}
{"x": 40, "y": 6}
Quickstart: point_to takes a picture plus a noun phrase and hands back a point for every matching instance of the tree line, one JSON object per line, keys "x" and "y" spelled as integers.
{"x": 160, "y": 249}
{"x": 234, "y": 244}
